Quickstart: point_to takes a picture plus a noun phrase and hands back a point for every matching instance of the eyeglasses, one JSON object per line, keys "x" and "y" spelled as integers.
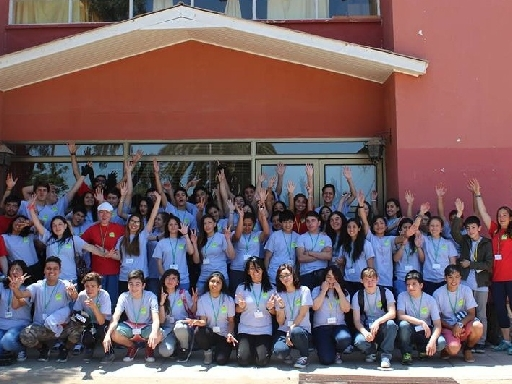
{"x": 284, "y": 275}
{"x": 255, "y": 269}
{"x": 135, "y": 221}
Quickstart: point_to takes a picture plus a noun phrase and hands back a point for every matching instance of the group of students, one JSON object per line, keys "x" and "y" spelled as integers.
{"x": 219, "y": 270}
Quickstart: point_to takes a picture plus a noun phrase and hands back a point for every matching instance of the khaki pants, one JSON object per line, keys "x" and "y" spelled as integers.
{"x": 34, "y": 334}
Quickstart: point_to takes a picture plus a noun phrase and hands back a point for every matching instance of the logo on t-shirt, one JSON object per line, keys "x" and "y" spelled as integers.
{"x": 112, "y": 234}
{"x": 58, "y": 296}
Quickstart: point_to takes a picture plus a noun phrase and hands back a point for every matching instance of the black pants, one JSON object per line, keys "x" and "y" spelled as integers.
{"x": 93, "y": 334}
{"x": 207, "y": 339}
{"x": 255, "y": 348}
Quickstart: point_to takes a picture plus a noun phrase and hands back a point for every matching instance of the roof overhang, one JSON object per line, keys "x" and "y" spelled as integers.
{"x": 183, "y": 23}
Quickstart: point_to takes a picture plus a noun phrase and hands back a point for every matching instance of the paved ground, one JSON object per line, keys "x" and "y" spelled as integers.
{"x": 491, "y": 368}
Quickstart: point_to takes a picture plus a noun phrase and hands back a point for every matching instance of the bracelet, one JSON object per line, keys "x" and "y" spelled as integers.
{"x": 360, "y": 206}
{"x": 478, "y": 195}
{"x": 281, "y": 308}
{"x": 73, "y": 154}
{"x": 373, "y": 200}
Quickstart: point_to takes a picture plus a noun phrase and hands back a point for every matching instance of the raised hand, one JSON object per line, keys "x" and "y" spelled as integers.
{"x": 137, "y": 156}
{"x": 201, "y": 203}
{"x": 72, "y": 148}
{"x": 309, "y": 170}
{"x": 227, "y": 233}
{"x": 195, "y": 295}
{"x": 193, "y": 236}
{"x": 279, "y": 300}
{"x": 360, "y": 198}
{"x": 123, "y": 188}
{"x": 10, "y": 183}
{"x": 231, "y": 205}
{"x": 271, "y": 302}
{"x": 98, "y": 195}
{"x": 262, "y": 196}
{"x": 474, "y": 186}
{"x": 290, "y": 187}
{"x": 272, "y": 181}
{"x": 280, "y": 169}
{"x": 183, "y": 229}
{"x": 156, "y": 166}
{"x": 347, "y": 173}
{"x": 375, "y": 194}
{"x": 418, "y": 239}
{"x": 163, "y": 296}
{"x": 424, "y": 208}
{"x": 409, "y": 197}
{"x": 459, "y": 206}
{"x": 440, "y": 190}
{"x": 261, "y": 178}
{"x": 242, "y": 304}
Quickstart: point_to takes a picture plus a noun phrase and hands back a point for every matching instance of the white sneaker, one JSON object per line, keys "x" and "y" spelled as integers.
{"x": 22, "y": 356}
{"x": 371, "y": 358}
{"x": 348, "y": 350}
{"x": 338, "y": 358}
{"x": 301, "y": 362}
{"x": 384, "y": 362}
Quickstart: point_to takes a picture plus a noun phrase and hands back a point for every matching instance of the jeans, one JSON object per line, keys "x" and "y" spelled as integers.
{"x": 481, "y": 311}
{"x": 10, "y": 339}
{"x": 207, "y": 339}
{"x": 399, "y": 286}
{"x": 385, "y": 338}
{"x": 179, "y": 336}
{"x": 330, "y": 339}
{"x": 409, "y": 336}
{"x": 500, "y": 291}
{"x": 235, "y": 278}
{"x": 110, "y": 284}
{"x": 299, "y": 338}
{"x": 254, "y": 347}
{"x": 311, "y": 279}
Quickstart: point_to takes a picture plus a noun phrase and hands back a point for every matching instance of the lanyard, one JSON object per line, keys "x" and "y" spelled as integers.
{"x": 257, "y": 301}
{"x": 59, "y": 244}
{"x": 50, "y": 299}
{"x": 247, "y": 242}
{"x": 407, "y": 251}
{"x": 103, "y": 236}
{"x": 176, "y": 295}
{"x": 453, "y": 306}
{"x": 475, "y": 249}
{"x": 173, "y": 250}
{"x": 288, "y": 247}
{"x": 436, "y": 249}
{"x": 331, "y": 301}
{"x": 292, "y": 305}
{"x": 136, "y": 314}
{"x": 416, "y": 311}
{"x": 313, "y": 244}
{"x": 89, "y": 310}
{"x": 9, "y": 301}
{"x": 216, "y": 314}
{"x": 372, "y": 309}
{"x": 207, "y": 245}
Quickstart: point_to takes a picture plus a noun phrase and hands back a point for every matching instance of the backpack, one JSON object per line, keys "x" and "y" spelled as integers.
{"x": 383, "y": 300}
{"x": 183, "y": 297}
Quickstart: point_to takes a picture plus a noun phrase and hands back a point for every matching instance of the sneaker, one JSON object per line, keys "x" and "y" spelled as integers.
{"x": 44, "y": 353}
{"x": 130, "y": 354}
{"x": 349, "y": 350}
{"x": 385, "y": 363}
{"x": 422, "y": 355}
{"x": 288, "y": 360}
{"x": 108, "y": 358}
{"x": 183, "y": 355}
{"x": 479, "y": 348}
{"x": 77, "y": 349}
{"x": 150, "y": 354}
{"x": 371, "y": 358}
{"x": 406, "y": 359}
{"x": 88, "y": 355}
{"x": 445, "y": 355}
{"x": 56, "y": 346}
{"x": 504, "y": 345}
{"x": 468, "y": 356}
{"x": 22, "y": 356}
{"x": 301, "y": 362}
{"x": 208, "y": 357}
{"x": 338, "y": 358}
{"x": 63, "y": 355}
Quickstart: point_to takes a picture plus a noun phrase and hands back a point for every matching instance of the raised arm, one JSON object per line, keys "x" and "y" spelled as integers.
{"x": 440, "y": 192}
{"x": 262, "y": 217}
{"x": 123, "y": 188}
{"x": 72, "y": 148}
{"x": 409, "y": 198}
{"x": 347, "y": 173}
{"x": 158, "y": 182}
{"x": 10, "y": 183}
{"x": 33, "y": 216}
{"x": 240, "y": 225}
{"x": 154, "y": 212}
{"x": 362, "y": 213}
{"x": 290, "y": 189}
{"x": 310, "y": 187}
{"x": 74, "y": 189}
{"x": 456, "y": 225}
{"x": 474, "y": 186}
{"x": 280, "y": 170}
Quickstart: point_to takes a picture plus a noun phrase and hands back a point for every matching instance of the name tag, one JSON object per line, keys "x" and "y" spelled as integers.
{"x": 216, "y": 329}
{"x": 206, "y": 261}
{"x": 173, "y": 266}
{"x": 497, "y": 257}
{"x": 370, "y": 324}
{"x": 137, "y": 331}
{"x": 129, "y": 261}
{"x": 8, "y": 314}
{"x": 436, "y": 266}
{"x": 290, "y": 323}
{"x": 258, "y": 314}
{"x": 418, "y": 328}
{"x": 408, "y": 268}
{"x": 351, "y": 271}
{"x": 246, "y": 257}
{"x": 331, "y": 320}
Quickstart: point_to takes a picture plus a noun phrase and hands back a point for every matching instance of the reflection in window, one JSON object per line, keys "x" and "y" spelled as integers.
{"x": 349, "y": 147}
{"x": 35, "y": 150}
{"x": 193, "y": 149}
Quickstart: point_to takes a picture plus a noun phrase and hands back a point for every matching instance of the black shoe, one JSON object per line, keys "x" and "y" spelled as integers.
{"x": 63, "y": 355}
{"x": 183, "y": 355}
{"x": 108, "y": 358}
{"x": 44, "y": 353}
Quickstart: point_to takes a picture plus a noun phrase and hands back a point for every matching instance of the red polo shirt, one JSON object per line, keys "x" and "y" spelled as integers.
{"x": 104, "y": 237}
{"x": 4, "y": 223}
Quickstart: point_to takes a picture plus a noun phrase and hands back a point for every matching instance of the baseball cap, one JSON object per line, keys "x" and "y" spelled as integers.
{"x": 105, "y": 206}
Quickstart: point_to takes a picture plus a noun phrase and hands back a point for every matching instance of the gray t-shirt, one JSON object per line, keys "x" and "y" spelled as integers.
{"x": 10, "y": 317}
{"x": 255, "y": 320}
{"x": 102, "y": 301}
{"x": 132, "y": 262}
{"x": 353, "y": 268}
{"x": 48, "y": 299}
{"x": 437, "y": 258}
{"x": 424, "y": 307}
{"x": 293, "y": 301}
{"x": 217, "y": 311}
{"x": 173, "y": 252}
{"x": 315, "y": 243}
{"x": 383, "y": 250}
{"x": 246, "y": 246}
{"x": 179, "y": 301}
{"x": 373, "y": 307}
{"x": 452, "y": 302}
{"x": 282, "y": 246}
{"x": 330, "y": 312}
{"x": 138, "y": 311}
{"x": 65, "y": 251}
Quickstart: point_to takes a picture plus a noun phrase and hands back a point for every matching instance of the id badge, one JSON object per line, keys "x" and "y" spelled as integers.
{"x": 216, "y": 330}
{"x": 290, "y": 323}
{"x": 351, "y": 271}
{"x": 246, "y": 257}
{"x": 129, "y": 261}
{"x": 418, "y": 328}
{"x": 370, "y": 324}
{"x": 408, "y": 268}
{"x": 136, "y": 331}
{"x": 173, "y": 266}
{"x": 44, "y": 316}
{"x": 258, "y": 314}
{"x": 497, "y": 257}
{"x": 436, "y": 266}
{"x": 8, "y": 314}
{"x": 206, "y": 261}
{"x": 331, "y": 320}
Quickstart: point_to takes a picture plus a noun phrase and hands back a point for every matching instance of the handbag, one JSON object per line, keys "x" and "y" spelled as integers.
{"x": 81, "y": 265}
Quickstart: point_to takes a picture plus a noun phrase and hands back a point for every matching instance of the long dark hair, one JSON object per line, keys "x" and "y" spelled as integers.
{"x": 203, "y": 237}
{"x": 131, "y": 247}
{"x": 93, "y": 209}
{"x": 411, "y": 239}
{"x": 254, "y": 261}
{"x": 25, "y": 231}
{"x": 149, "y": 203}
{"x": 23, "y": 267}
{"x": 397, "y": 203}
{"x": 167, "y": 233}
{"x": 509, "y": 227}
{"x": 286, "y": 267}
{"x": 224, "y": 289}
{"x": 338, "y": 276}
{"x": 357, "y": 247}
{"x": 337, "y": 239}
{"x": 65, "y": 236}
{"x": 163, "y": 288}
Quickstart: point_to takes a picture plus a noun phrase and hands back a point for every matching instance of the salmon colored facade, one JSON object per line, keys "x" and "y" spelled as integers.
{"x": 445, "y": 126}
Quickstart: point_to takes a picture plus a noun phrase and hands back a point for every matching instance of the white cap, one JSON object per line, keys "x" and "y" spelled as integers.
{"x": 105, "y": 206}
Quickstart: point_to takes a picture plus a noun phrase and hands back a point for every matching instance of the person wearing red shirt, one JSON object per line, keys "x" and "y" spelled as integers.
{"x": 500, "y": 232}
{"x": 104, "y": 235}
{"x": 11, "y": 206}
{"x": 4, "y": 262}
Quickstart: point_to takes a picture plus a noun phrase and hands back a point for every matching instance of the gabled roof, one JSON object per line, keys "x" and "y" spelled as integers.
{"x": 183, "y": 23}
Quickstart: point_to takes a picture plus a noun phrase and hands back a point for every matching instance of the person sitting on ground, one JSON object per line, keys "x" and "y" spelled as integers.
{"x": 457, "y": 306}
{"x": 142, "y": 324}
{"x": 420, "y": 322}
{"x": 374, "y": 313}
{"x": 51, "y": 298}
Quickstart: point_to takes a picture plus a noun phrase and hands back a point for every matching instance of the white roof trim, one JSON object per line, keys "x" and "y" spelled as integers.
{"x": 183, "y": 23}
